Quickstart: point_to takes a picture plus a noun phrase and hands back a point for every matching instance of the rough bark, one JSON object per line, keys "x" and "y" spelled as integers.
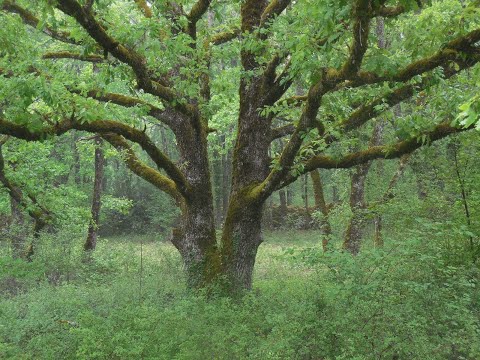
{"x": 353, "y": 234}
{"x": 217, "y": 172}
{"x": 195, "y": 236}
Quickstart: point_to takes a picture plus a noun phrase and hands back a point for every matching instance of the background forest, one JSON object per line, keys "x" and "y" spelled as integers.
{"x": 336, "y": 141}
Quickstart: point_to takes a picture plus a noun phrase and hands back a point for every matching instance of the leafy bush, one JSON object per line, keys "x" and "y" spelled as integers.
{"x": 407, "y": 301}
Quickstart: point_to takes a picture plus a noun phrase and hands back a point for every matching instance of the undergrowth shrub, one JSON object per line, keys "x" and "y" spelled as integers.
{"x": 408, "y": 301}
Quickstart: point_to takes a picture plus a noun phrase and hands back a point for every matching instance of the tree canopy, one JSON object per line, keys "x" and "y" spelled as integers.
{"x": 316, "y": 74}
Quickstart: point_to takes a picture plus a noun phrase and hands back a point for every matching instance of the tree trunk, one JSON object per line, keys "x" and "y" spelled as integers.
{"x": 91, "y": 241}
{"x": 320, "y": 204}
{"x": 226, "y": 174}
{"x": 289, "y": 196}
{"x": 283, "y": 204}
{"x": 195, "y": 236}
{"x": 218, "y": 183}
{"x": 378, "y": 238}
{"x": 388, "y": 195}
{"x": 241, "y": 238}
{"x": 353, "y": 235}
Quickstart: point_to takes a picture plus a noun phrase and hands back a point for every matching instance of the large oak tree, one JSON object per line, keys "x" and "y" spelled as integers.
{"x": 178, "y": 64}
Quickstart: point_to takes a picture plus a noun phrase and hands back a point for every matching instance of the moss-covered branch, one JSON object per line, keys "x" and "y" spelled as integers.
{"x": 390, "y": 11}
{"x": 104, "y": 127}
{"x": 383, "y": 103}
{"x": 195, "y": 14}
{"x": 224, "y": 37}
{"x": 391, "y": 151}
{"x": 282, "y": 131}
{"x": 461, "y": 50}
{"x": 138, "y": 63}
{"x": 75, "y": 56}
{"x": 163, "y": 115}
{"x": 274, "y": 8}
{"x": 144, "y": 8}
{"x": 141, "y": 169}
{"x": 360, "y": 31}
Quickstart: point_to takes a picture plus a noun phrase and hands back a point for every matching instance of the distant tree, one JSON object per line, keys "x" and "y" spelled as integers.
{"x": 92, "y": 234}
{"x": 162, "y": 61}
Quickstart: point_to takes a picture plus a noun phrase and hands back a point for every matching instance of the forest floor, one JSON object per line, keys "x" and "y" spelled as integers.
{"x": 129, "y": 301}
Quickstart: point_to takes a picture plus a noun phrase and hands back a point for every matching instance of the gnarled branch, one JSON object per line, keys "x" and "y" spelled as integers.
{"x": 141, "y": 169}
{"x": 104, "y": 127}
{"x": 125, "y": 55}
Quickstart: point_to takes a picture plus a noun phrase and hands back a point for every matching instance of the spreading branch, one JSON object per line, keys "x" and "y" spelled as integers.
{"x": 105, "y": 127}
{"x": 461, "y": 50}
{"x": 75, "y": 56}
{"x": 273, "y": 9}
{"x": 141, "y": 169}
{"x": 164, "y": 115}
{"x": 391, "y": 151}
{"x": 224, "y": 37}
{"x": 128, "y": 56}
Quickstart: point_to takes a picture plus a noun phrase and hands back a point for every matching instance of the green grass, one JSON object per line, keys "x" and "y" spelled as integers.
{"x": 130, "y": 302}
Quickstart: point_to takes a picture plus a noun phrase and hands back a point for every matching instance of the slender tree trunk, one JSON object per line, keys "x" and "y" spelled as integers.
{"x": 217, "y": 171}
{"x": 16, "y": 212}
{"x": 91, "y": 241}
{"x": 378, "y": 238}
{"x": 289, "y": 196}
{"x": 305, "y": 193}
{"x": 283, "y": 203}
{"x": 226, "y": 177}
{"x": 388, "y": 195}
{"x": 353, "y": 235}
{"x": 335, "y": 196}
{"x": 320, "y": 204}
{"x": 268, "y": 214}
